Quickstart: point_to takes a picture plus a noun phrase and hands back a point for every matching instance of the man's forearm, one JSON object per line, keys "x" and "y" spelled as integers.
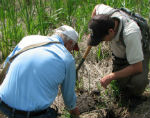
{"x": 128, "y": 71}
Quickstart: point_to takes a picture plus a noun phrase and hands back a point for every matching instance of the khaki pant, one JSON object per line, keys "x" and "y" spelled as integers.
{"x": 135, "y": 84}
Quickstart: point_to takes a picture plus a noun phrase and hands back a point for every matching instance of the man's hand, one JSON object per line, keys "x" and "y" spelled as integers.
{"x": 106, "y": 80}
{"x": 75, "y": 112}
{"x": 127, "y": 71}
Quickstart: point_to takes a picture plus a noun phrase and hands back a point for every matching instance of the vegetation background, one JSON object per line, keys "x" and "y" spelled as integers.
{"x": 19, "y": 18}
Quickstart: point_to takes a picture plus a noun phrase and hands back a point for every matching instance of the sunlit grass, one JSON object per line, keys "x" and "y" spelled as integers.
{"x": 25, "y": 17}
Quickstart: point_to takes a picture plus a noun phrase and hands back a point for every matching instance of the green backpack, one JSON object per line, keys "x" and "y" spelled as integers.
{"x": 142, "y": 23}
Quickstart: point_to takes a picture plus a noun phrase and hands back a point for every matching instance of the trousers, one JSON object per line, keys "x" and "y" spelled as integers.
{"x": 13, "y": 113}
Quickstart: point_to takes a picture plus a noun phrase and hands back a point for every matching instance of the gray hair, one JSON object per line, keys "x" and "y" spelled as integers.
{"x": 64, "y": 37}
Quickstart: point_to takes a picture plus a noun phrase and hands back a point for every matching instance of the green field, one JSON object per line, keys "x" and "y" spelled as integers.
{"x": 19, "y": 18}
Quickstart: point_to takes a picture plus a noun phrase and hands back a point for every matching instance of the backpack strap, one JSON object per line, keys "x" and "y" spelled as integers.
{"x": 121, "y": 32}
{"x": 31, "y": 47}
{"x": 4, "y": 70}
{"x": 121, "y": 36}
{"x": 113, "y": 11}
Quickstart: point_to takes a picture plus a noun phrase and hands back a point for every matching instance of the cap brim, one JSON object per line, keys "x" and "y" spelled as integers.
{"x": 93, "y": 41}
{"x": 76, "y": 47}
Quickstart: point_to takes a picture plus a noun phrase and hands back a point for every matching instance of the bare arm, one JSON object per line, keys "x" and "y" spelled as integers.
{"x": 129, "y": 70}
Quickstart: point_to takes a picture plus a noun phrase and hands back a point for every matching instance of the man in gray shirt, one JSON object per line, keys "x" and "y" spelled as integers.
{"x": 130, "y": 64}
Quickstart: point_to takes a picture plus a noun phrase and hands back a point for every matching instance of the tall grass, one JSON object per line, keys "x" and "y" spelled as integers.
{"x": 25, "y": 17}
{"x": 11, "y": 31}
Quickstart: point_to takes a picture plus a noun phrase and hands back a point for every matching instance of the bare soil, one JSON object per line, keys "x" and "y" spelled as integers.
{"x": 97, "y": 102}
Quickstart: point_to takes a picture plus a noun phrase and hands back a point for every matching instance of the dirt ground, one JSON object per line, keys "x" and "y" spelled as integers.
{"x": 99, "y": 102}
{"x": 96, "y": 102}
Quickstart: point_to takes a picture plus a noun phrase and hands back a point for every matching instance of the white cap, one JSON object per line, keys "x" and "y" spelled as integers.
{"x": 69, "y": 31}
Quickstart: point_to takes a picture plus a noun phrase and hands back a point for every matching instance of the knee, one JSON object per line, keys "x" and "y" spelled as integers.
{"x": 137, "y": 87}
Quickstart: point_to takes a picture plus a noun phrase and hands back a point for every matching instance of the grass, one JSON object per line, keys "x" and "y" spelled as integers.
{"x": 25, "y": 17}
{"x": 65, "y": 114}
{"x": 115, "y": 88}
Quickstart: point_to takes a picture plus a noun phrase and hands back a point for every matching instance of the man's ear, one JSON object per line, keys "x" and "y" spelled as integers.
{"x": 68, "y": 43}
{"x": 111, "y": 33}
{"x": 111, "y": 30}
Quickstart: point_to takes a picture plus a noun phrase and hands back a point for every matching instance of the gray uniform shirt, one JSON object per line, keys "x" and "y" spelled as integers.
{"x": 131, "y": 36}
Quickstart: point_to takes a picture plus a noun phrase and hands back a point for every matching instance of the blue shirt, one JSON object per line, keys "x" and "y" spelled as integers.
{"x": 34, "y": 76}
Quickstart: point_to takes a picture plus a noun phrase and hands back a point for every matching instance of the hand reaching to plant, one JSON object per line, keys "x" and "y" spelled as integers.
{"x": 106, "y": 80}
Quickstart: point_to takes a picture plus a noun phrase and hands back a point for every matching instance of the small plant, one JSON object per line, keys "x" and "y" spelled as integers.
{"x": 98, "y": 86}
{"x": 115, "y": 89}
{"x": 79, "y": 84}
{"x": 65, "y": 114}
{"x": 99, "y": 55}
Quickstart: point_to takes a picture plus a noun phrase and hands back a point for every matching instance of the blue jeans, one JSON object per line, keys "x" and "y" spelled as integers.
{"x": 50, "y": 113}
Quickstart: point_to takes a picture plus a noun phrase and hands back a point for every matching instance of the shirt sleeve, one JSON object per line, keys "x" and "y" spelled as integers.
{"x": 134, "y": 51}
{"x": 68, "y": 86}
{"x": 10, "y": 55}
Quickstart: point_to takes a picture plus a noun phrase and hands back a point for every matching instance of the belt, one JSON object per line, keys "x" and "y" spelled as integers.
{"x": 21, "y": 112}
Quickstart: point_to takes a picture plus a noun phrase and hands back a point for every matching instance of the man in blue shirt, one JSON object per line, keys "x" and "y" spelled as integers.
{"x": 33, "y": 78}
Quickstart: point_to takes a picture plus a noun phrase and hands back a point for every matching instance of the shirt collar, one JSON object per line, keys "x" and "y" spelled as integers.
{"x": 58, "y": 38}
{"x": 116, "y": 38}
